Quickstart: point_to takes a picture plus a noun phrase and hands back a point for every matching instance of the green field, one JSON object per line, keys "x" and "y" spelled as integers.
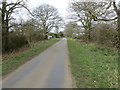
{"x": 14, "y": 61}
{"x": 93, "y": 66}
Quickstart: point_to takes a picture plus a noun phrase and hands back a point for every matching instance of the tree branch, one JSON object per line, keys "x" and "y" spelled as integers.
{"x": 116, "y": 9}
{"x": 27, "y": 9}
{"x": 95, "y": 18}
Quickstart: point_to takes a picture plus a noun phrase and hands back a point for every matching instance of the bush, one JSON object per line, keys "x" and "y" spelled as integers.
{"x": 15, "y": 41}
{"x": 104, "y": 34}
{"x": 38, "y": 36}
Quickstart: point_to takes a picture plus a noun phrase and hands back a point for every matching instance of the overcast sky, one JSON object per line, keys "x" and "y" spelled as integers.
{"x": 61, "y": 5}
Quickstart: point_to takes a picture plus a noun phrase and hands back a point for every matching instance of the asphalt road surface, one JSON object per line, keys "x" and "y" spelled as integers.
{"x": 50, "y": 69}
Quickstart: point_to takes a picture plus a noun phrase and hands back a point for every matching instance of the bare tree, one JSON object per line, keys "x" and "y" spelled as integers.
{"x": 72, "y": 29}
{"x": 48, "y": 17}
{"x": 81, "y": 15}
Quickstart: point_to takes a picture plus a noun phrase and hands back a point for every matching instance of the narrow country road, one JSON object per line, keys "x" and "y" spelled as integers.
{"x": 47, "y": 70}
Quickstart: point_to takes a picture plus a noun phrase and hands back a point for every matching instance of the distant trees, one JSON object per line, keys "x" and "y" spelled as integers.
{"x": 72, "y": 29}
{"x": 61, "y": 34}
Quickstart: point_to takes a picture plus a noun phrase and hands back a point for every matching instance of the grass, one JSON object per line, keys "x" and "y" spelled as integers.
{"x": 12, "y": 62}
{"x": 93, "y": 66}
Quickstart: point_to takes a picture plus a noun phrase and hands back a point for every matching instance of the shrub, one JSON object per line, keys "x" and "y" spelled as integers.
{"x": 16, "y": 41}
{"x": 104, "y": 34}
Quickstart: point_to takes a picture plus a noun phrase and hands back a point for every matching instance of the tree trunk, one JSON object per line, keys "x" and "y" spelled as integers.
{"x": 118, "y": 22}
{"x": 89, "y": 36}
{"x": 89, "y": 32}
{"x": 5, "y": 22}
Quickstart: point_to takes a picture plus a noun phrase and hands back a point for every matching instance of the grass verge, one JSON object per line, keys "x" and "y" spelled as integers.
{"x": 93, "y": 66}
{"x": 12, "y": 62}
